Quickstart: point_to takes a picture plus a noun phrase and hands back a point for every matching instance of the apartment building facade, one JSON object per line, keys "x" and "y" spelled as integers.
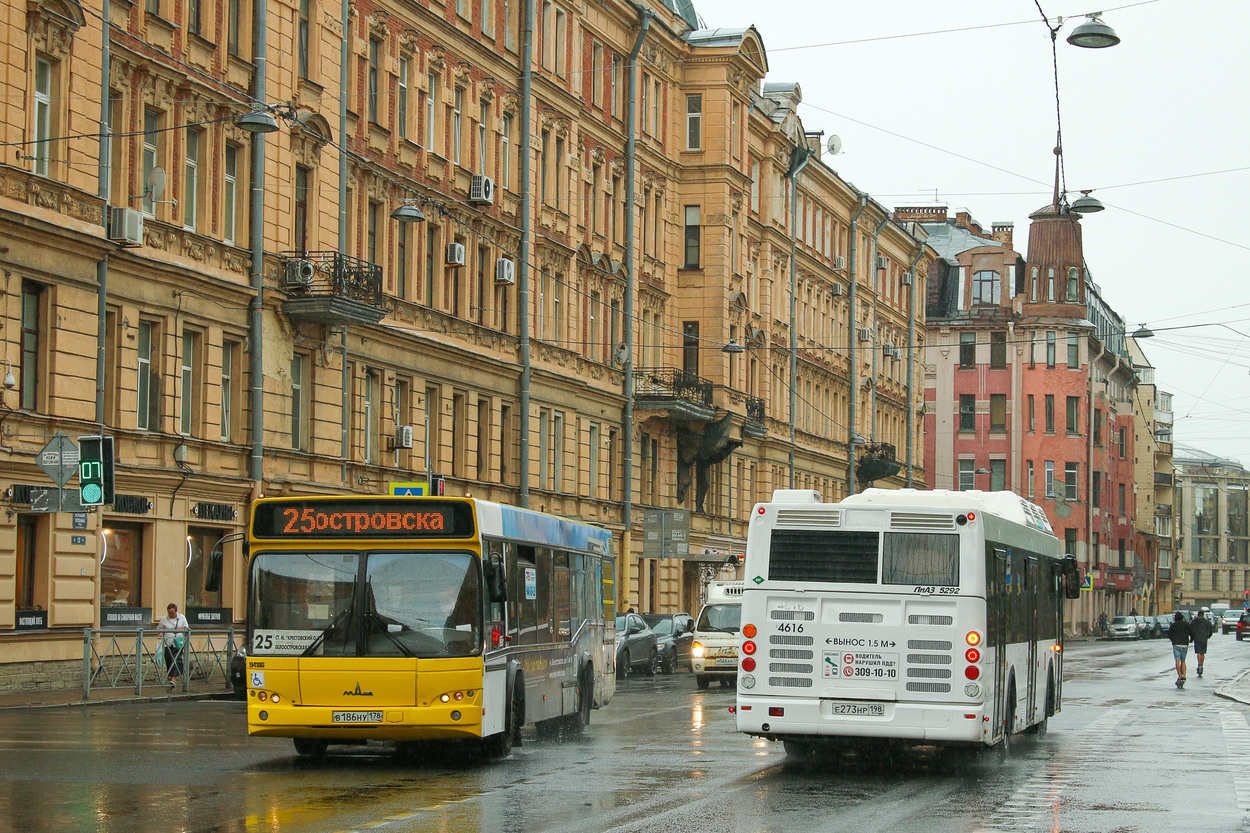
{"x": 240, "y": 312}
{"x": 1212, "y": 539}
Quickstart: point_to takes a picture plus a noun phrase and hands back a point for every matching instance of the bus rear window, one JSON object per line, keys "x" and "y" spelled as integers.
{"x": 920, "y": 558}
{"x": 821, "y": 555}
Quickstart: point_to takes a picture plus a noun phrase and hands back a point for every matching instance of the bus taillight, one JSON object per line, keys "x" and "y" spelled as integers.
{"x": 748, "y": 647}
{"x": 973, "y": 638}
{"x": 972, "y": 655}
{"x": 748, "y": 664}
{"x": 748, "y": 631}
{"x": 496, "y": 637}
{"x": 972, "y": 672}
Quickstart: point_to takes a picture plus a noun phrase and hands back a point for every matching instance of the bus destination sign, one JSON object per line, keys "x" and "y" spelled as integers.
{"x": 401, "y": 517}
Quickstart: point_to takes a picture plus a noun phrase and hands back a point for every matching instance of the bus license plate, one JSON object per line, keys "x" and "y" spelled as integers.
{"x": 860, "y": 709}
{"x": 726, "y": 660}
{"x": 357, "y": 717}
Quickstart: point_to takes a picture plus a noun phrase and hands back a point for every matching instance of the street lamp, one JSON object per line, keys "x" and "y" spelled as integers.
{"x": 733, "y": 348}
{"x": 1093, "y": 34}
{"x": 408, "y": 213}
{"x": 1085, "y": 204}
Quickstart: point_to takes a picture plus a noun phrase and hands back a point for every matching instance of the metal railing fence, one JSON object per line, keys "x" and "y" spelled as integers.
{"x": 123, "y": 658}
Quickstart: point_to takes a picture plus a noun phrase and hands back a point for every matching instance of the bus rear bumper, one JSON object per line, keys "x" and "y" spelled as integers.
{"x": 442, "y": 722}
{"x": 778, "y": 718}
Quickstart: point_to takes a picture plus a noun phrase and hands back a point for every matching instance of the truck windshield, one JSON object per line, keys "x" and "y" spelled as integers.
{"x": 720, "y": 617}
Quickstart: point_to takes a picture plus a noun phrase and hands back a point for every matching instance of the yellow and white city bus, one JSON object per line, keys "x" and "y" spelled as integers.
{"x": 402, "y": 618}
{"x": 901, "y": 617}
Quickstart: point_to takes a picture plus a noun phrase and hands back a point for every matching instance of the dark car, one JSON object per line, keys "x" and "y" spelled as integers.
{"x": 1164, "y": 624}
{"x": 636, "y": 648}
{"x": 673, "y": 634}
{"x": 1243, "y": 626}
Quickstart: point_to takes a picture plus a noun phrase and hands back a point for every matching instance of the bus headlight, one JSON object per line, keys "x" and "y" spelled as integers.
{"x": 746, "y": 681}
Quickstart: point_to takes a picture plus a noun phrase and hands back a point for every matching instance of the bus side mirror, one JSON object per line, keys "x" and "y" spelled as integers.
{"x": 212, "y": 572}
{"x": 1071, "y": 577}
{"x": 496, "y": 585}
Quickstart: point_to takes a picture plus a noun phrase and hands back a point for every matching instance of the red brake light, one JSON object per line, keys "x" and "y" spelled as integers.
{"x": 748, "y": 647}
{"x": 972, "y": 516}
{"x": 972, "y": 655}
{"x": 748, "y": 664}
{"x": 972, "y": 672}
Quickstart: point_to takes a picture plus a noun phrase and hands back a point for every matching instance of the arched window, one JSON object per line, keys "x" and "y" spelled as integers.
{"x": 1074, "y": 284}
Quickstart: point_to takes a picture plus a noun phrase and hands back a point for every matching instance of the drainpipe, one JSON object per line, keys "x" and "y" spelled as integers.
{"x": 876, "y": 299}
{"x": 799, "y": 157}
{"x": 345, "y": 55}
{"x": 105, "y": 179}
{"x": 256, "y": 222}
{"x": 523, "y": 267}
{"x": 852, "y": 266}
{"x": 627, "y": 420}
{"x": 911, "y": 365}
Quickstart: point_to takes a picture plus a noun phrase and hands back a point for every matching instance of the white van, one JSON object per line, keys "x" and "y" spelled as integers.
{"x": 714, "y": 653}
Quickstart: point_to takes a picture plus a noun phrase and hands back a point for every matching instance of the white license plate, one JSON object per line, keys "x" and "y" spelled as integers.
{"x": 860, "y": 709}
{"x": 726, "y": 660}
{"x": 356, "y": 717}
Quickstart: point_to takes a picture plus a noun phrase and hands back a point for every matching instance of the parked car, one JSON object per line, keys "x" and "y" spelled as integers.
{"x": 636, "y": 649}
{"x": 1164, "y": 623}
{"x": 1123, "y": 627}
{"x": 1243, "y": 626}
{"x": 1145, "y": 626}
{"x": 1229, "y": 620}
{"x": 673, "y": 634}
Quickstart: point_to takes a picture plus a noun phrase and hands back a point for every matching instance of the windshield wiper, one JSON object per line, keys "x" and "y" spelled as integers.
{"x": 385, "y": 631}
{"x": 334, "y": 623}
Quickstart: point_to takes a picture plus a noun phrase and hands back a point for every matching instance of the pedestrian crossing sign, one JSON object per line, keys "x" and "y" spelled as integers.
{"x": 1087, "y": 583}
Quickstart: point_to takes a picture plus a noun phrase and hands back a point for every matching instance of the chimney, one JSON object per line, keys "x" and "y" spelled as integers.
{"x": 1002, "y": 233}
{"x": 920, "y": 214}
{"x": 964, "y": 220}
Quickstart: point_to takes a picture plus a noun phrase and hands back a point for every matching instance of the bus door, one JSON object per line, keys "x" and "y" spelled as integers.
{"x": 1032, "y": 582}
{"x": 999, "y": 588}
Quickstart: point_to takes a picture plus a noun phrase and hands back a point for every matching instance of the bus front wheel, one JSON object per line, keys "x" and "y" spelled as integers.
{"x": 500, "y": 745}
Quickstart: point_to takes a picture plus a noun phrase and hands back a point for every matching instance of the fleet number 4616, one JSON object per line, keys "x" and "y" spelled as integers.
{"x": 790, "y": 627}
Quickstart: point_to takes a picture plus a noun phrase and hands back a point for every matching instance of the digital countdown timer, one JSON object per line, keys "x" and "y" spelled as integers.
{"x": 345, "y": 518}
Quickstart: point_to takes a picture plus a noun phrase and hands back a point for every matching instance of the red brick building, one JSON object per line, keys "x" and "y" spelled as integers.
{"x": 1029, "y": 387}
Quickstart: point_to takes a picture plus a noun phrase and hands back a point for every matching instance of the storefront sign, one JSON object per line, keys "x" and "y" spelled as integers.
{"x": 210, "y": 617}
{"x": 125, "y": 617}
{"x": 32, "y": 620}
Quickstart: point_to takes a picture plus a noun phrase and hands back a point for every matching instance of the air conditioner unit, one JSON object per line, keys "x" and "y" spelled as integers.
{"x": 907, "y": 278}
{"x": 455, "y": 254}
{"x": 403, "y": 436}
{"x": 835, "y": 290}
{"x": 883, "y": 262}
{"x": 300, "y": 274}
{"x": 839, "y": 263}
{"x": 505, "y": 271}
{"x": 865, "y": 333}
{"x": 481, "y": 190}
{"x": 125, "y": 226}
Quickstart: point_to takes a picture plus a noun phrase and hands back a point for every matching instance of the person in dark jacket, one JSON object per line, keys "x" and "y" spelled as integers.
{"x": 1201, "y": 629}
{"x": 1180, "y": 636}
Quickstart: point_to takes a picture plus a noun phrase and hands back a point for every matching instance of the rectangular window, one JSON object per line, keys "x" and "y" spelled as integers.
{"x": 483, "y": 119}
{"x": 558, "y": 166}
{"x": 561, "y": 65}
{"x": 998, "y": 475}
{"x": 486, "y": 15}
{"x": 401, "y": 99}
{"x": 544, "y": 448}
{"x": 644, "y": 92}
{"x": 479, "y": 295}
{"x": 1069, "y": 480}
{"x": 967, "y": 412}
{"x": 456, "y": 124}
{"x": 189, "y": 395}
{"x": 1050, "y": 349}
{"x": 1069, "y": 542}
{"x": 1074, "y": 351}
{"x": 191, "y": 184}
{"x": 431, "y": 261}
{"x": 148, "y": 406}
{"x": 1031, "y": 416}
{"x": 193, "y": 16}
{"x": 299, "y": 402}
{"x": 230, "y": 193}
{"x": 431, "y": 111}
{"x": 305, "y": 16}
{"x": 691, "y": 238}
{"x": 967, "y": 350}
{"x": 544, "y": 151}
{"x": 1073, "y": 412}
{"x": 511, "y": 23}
{"x": 402, "y": 231}
{"x": 42, "y": 148}
{"x": 1123, "y": 440}
{"x": 616, "y": 84}
{"x": 1098, "y": 426}
{"x": 299, "y": 217}
{"x": 596, "y": 75}
{"x": 234, "y": 26}
{"x": 1049, "y": 404}
{"x": 998, "y": 412}
{"x": 690, "y": 347}
{"x": 1028, "y": 486}
{"x": 151, "y": 148}
{"x": 910, "y": 558}
{"x": 231, "y": 353}
{"x": 505, "y": 153}
{"x": 694, "y": 122}
{"x": 998, "y": 350}
{"x": 967, "y": 475}
{"x": 372, "y": 220}
{"x": 1049, "y": 485}
{"x": 592, "y": 461}
{"x": 32, "y": 326}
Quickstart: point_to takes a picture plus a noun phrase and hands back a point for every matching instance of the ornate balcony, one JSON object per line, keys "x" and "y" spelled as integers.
{"x": 875, "y": 462}
{"x": 332, "y": 288}
{"x": 754, "y": 425}
{"x": 686, "y": 397}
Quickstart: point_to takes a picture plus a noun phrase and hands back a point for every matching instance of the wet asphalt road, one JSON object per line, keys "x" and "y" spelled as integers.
{"x": 1128, "y": 753}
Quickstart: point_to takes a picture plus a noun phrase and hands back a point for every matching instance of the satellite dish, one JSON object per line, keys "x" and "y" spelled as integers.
{"x": 621, "y": 354}
{"x": 833, "y": 145}
{"x": 156, "y": 183}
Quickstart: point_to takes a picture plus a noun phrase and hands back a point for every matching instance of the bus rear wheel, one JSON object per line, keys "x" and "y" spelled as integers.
{"x": 310, "y": 747}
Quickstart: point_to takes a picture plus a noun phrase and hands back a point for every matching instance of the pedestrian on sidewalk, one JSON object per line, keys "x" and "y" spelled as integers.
{"x": 175, "y": 626}
{"x": 1201, "y": 629}
{"x": 1179, "y": 635}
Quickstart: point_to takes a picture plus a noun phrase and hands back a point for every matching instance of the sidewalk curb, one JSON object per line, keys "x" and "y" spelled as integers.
{"x": 1226, "y": 690}
{"x": 110, "y": 701}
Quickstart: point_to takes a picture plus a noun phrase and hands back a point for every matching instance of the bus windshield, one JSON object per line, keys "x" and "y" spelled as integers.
{"x": 407, "y": 604}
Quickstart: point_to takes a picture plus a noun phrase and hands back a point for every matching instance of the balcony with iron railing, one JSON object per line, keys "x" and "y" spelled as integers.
{"x": 686, "y": 396}
{"x": 332, "y": 288}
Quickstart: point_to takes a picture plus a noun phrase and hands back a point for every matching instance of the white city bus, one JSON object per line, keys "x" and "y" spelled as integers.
{"x": 901, "y": 616}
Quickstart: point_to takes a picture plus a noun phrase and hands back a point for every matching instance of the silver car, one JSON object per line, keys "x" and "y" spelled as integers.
{"x": 1124, "y": 627}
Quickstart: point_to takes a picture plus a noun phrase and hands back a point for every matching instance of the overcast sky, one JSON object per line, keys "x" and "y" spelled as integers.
{"x": 954, "y": 103}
